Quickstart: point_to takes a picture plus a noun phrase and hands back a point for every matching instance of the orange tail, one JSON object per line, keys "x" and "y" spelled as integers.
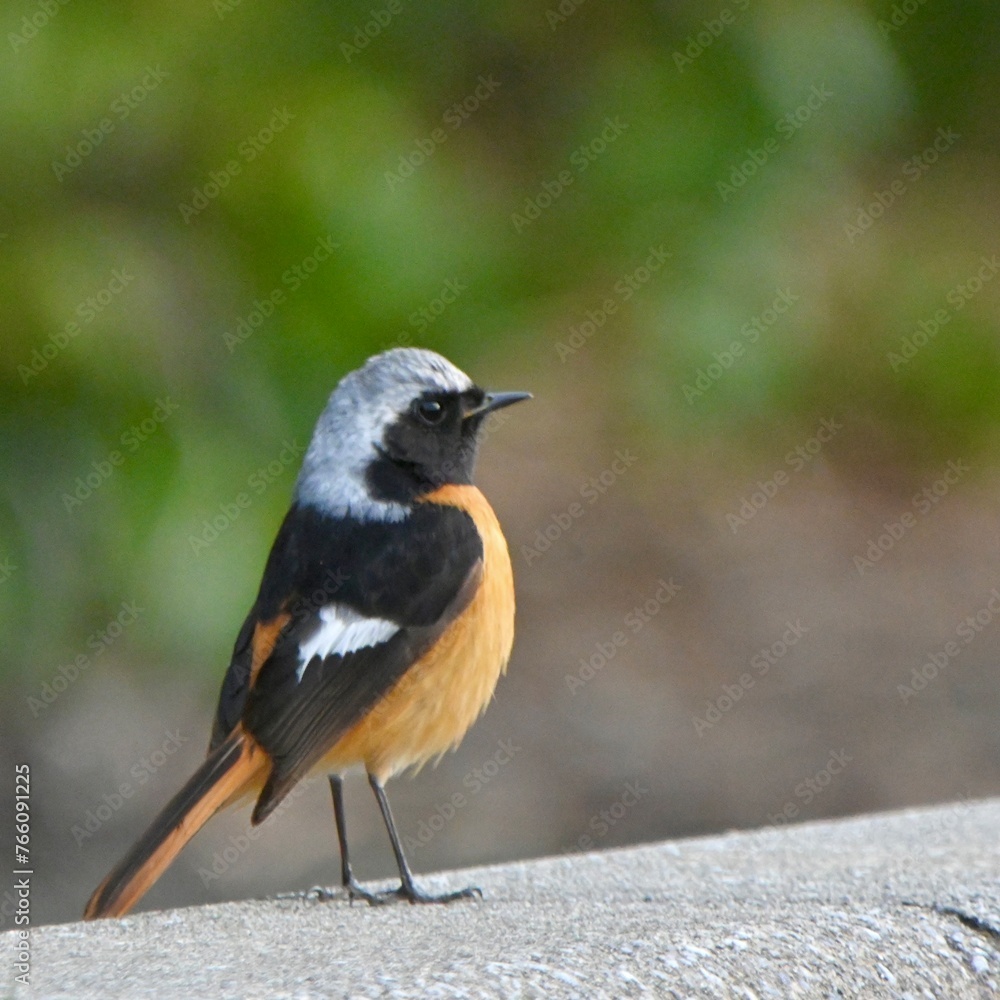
{"x": 228, "y": 770}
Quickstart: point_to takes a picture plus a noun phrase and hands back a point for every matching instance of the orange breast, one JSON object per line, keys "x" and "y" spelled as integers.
{"x": 443, "y": 693}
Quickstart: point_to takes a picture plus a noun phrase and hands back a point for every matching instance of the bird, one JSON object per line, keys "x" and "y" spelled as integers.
{"x": 383, "y": 621}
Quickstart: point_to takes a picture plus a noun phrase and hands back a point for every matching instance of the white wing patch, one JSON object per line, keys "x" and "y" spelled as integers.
{"x": 343, "y": 631}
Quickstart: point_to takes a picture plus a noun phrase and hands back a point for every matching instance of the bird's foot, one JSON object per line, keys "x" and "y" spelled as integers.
{"x": 411, "y": 894}
{"x": 320, "y": 894}
{"x": 355, "y": 891}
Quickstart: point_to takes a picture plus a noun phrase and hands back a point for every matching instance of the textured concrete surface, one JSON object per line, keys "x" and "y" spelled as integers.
{"x": 902, "y": 905}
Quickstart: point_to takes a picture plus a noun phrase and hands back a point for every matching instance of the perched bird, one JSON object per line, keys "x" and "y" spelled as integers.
{"x": 383, "y": 621}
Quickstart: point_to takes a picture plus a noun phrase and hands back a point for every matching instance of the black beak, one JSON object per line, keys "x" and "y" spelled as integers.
{"x": 496, "y": 401}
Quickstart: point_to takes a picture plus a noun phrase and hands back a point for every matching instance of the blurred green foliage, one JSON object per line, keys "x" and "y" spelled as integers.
{"x": 179, "y": 165}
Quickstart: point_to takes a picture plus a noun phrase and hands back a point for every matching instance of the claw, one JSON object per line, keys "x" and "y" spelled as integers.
{"x": 354, "y": 891}
{"x": 414, "y": 895}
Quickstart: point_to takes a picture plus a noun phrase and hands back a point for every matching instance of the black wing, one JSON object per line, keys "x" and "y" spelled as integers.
{"x": 418, "y": 574}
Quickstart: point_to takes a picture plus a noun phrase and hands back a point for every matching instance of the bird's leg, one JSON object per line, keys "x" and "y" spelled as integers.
{"x": 407, "y": 889}
{"x": 354, "y": 889}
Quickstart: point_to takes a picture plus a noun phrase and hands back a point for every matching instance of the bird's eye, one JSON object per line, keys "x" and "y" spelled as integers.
{"x": 430, "y": 411}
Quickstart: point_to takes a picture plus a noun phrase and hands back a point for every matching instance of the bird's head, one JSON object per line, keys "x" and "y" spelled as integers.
{"x": 399, "y": 427}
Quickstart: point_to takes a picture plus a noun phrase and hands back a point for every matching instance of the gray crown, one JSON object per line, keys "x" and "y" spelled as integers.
{"x": 354, "y": 421}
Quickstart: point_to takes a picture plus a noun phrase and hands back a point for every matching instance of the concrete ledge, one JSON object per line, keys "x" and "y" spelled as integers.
{"x": 901, "y": 905}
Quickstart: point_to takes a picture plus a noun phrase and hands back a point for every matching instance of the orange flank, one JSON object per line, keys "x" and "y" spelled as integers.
{"x": 432, "y": 706}
{"x": 265, "y": 635}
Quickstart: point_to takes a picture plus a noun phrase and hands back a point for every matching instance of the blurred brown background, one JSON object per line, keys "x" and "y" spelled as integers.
{"x": 742, "y": 255}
